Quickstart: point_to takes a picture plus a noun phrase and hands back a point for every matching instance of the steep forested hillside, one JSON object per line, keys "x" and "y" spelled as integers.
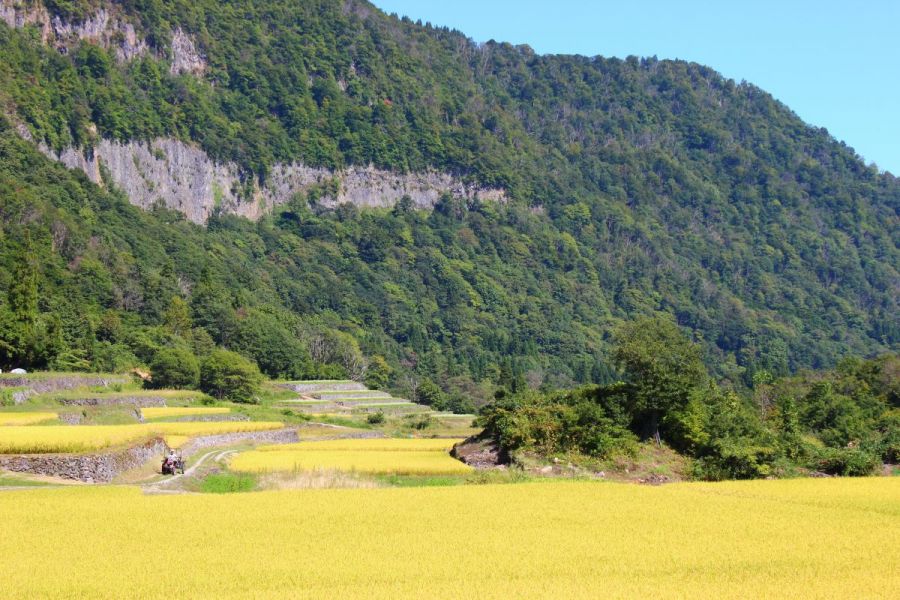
{"x": 635, "y": 186}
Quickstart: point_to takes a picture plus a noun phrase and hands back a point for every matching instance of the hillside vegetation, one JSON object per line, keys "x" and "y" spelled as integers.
{"x": 841, "y": 422}
{"x": 635, "y": 186}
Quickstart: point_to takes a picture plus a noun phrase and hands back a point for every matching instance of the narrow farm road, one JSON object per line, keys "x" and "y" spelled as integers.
{"x": 166, "y": 485}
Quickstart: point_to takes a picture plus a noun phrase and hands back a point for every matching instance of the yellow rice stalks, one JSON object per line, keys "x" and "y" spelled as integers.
{"x": 798, "y": 539}
{"x": 176, "y": 441}
{"x": 85, "y": 438}
{"x": 369, "y": 445}
{"x": 26, "y": 418}
{"x": 400, "y": 463}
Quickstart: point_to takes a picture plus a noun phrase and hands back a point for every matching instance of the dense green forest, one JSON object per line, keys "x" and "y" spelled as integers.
{"x": 840, "y": 422}
{"x": 637, "y": 186}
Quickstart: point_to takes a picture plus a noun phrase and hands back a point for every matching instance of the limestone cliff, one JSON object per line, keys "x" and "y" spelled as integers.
{"x": 182, "y": 177}
{"x": 105, "y": 28}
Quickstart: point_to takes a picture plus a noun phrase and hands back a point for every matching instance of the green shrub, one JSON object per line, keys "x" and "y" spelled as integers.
{"x": 460, "y": 404}
{"x": 421, "y": 422}
{"x": 174, "y": 368}
{"x": 587, "y": 421}
{"x": 889, "y": 426}
{"x": 6, "y": 396}
{"x": 734, "y": 459}
{"x": 379, "y": 373}
{"x": 227, "y": 375}
{"x": 375, "y": 418}
{"x": 850, "y": 462}
{"x": 430, "y": 394}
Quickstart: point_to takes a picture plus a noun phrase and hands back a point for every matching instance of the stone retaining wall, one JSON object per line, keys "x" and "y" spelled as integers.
{"x": 300, "y": 387}
{"x": 351, "y": 394}
{"x": 137, "y": 401}
{"x": 42, "y": 385}
{"x": 361, "y": 435}
{"x": 275, "y": 436}
{"x": 213, "y": 418}
{"x": 71, "y": 418}
{"x": 91, "y": 468}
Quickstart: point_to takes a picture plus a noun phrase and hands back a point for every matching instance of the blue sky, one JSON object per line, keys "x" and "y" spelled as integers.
{"x": 836, "y": 64}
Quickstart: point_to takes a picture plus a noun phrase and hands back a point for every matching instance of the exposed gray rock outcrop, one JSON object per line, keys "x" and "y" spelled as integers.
{"x": 311, "y": 386}
{"x": 480, "y": 451}
{"x": 183, "y": 177}
{"x": 105, "y": 28}
{"x": 101, "y": 28}
{"x": 136, "y": 401}
{"x": 185, "y": 56}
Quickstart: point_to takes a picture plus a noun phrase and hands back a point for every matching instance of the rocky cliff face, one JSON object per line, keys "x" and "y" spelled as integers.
{"x": 104, "y": 28}
{"x": 186, "y": 58}
{"x": 182, "y": 177}
{"x": 101, "y": 28}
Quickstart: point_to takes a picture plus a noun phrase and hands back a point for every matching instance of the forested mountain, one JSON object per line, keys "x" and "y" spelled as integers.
{"x": 631, "y": 187}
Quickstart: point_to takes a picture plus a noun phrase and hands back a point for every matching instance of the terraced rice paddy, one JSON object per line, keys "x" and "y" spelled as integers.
{"x": 60, "y": 438}
{"x": 384, "y": 404}
{"x": 26, "y": 418}
{"x": 357, "y": 400}
{"x": 305, "y": 402}
{"x": 351, "y": 395}
{"x": 81, "y": 396}
{"x": 322, "y": 384}
{"x": 181, "y": 411}
{"x": 343, "y": 397}
{"x": 379, "y": 456}
{"x": 763, "y": 539}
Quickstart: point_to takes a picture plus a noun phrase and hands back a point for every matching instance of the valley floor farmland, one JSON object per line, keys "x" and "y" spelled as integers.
{"x": 788, "y": 539}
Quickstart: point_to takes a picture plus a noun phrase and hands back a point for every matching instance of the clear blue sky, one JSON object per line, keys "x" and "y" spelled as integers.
{"x": 835, "y": 63}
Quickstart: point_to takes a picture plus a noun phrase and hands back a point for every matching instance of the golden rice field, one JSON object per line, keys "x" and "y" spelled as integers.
{"x": 158, "y": 412}
{"x": 26, "y": 418}
{"x": 176, "y": 441}
{"x": 360, "y": 461}
{"x": 378, "y": 456}
{"x": 83, "y": 438}
{"x": 832, "y": 538}
{"x": 370, "y": 445}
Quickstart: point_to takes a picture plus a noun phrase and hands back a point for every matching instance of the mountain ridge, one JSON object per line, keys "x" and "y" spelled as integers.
{"x": 630, "y": 186}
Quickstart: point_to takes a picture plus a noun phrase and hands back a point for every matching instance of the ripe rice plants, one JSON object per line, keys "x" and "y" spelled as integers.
{"x": 26, "y": 418}
{"x": 370, "y": 445}
{"x": 176, "y": 441}
{"x": 84, "y": 438}
{"x": 799, "y": 539}
{"x": 192, "y": 429}
{"x": 377, "y": 455}
{"x": 158, "y": 412}
{"x": 401, "y": 463}
{"x": 61, "y": 438}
